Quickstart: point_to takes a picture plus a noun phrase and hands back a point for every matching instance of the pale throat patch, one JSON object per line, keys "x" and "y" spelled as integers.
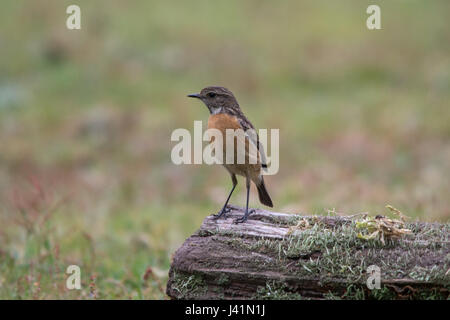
{"x": 216, "y": 110}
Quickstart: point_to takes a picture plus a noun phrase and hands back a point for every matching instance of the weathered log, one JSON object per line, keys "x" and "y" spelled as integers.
{"x": 272, "y": 255}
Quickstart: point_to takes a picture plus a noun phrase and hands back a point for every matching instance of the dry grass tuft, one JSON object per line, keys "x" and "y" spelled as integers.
{"x": 302, "y": 224}
{"x": 382, "y": 228}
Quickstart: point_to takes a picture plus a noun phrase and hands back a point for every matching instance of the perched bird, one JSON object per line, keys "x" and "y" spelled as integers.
{"x": 225, "y": 113}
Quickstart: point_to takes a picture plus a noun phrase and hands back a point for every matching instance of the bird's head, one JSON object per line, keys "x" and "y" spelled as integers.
{"x": 217, "y": 99}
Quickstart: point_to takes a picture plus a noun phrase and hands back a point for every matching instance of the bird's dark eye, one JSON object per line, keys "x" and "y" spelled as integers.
{"x": 211, "y": 94}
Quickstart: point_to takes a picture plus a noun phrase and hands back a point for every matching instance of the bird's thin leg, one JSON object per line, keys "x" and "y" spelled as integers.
{"x": 225, "y": 209}
{"x": 247, "y": 213}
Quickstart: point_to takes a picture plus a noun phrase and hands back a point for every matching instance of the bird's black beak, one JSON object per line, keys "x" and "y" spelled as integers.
{"x": 194, "y": 95}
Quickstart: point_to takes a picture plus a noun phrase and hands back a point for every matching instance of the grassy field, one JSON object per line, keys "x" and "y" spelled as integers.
{"x": 86, "y": 117}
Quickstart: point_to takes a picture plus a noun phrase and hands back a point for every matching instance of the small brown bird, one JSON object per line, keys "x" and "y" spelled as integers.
{"x": 225, "y": 113}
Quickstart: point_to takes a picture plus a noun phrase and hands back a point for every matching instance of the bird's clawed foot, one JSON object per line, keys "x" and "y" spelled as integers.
{"x": 244, "y": 217}
{"x": 222, "y": 212}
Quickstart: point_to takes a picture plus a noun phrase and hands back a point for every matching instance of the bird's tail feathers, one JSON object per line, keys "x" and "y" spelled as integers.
{"x": 264, "y": 197}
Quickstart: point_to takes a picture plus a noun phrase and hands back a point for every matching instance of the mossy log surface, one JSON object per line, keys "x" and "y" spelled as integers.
{"x": 266, "y": 258}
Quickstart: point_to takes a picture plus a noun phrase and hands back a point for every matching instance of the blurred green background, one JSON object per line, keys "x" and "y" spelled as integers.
{"x": 86, "y": 117}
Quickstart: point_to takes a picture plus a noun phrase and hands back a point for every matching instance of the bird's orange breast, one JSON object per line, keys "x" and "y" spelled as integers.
{"x": 223, "y": 121}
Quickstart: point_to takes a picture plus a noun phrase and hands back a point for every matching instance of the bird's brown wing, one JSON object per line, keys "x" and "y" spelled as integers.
{"x": 254, "y": 138}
